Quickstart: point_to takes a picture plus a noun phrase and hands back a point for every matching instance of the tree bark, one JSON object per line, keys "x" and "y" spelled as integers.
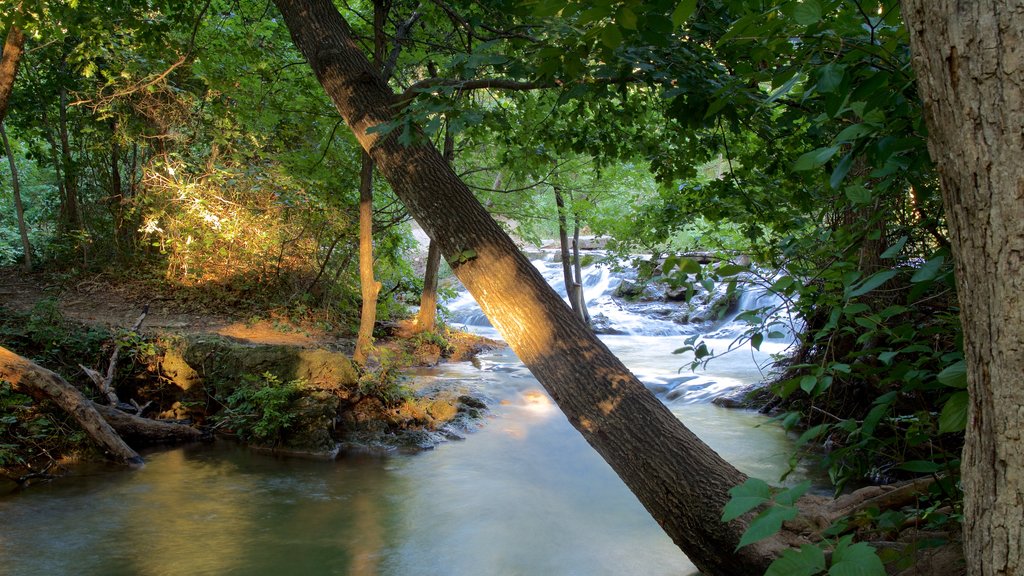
{"x": 682, "y": 482}
{"x": 18, "y": 208}
{"x": 427, "y": 317}
{"x": 577, "y": 270}
{"x": 29, "y": 378}
{"x": 139, "y": 431}
{"x": 563, "y": 243}
{"x": 967, "y": 56}
{"x": 70, "y": 219}
{"x": 369, "y": 286}
{"x": 14, "y": 48}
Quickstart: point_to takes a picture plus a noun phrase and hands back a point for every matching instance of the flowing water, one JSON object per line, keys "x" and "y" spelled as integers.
{"x": 523, "y": 495}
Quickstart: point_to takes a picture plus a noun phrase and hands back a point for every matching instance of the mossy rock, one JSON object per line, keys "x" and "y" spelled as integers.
{"x": 221, "y": 362}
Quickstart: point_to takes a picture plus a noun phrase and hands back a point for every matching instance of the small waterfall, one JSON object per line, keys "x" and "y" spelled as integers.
{"x": 651, "y": 312}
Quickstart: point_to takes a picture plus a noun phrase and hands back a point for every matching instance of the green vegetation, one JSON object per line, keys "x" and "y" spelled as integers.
{"x": 260, "y": 408}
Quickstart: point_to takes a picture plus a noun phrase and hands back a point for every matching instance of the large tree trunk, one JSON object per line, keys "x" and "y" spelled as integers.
{"x": 18, "y": 208}
{"x": 682, "y": 482}
{"x": 14, "y": 47}
{"x": 29, "y": 378}
{"x": 370, "y": 287}
{"x": 970, "y": 74}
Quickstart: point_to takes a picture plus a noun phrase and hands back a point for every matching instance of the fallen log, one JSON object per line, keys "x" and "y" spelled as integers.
{"x": 139, "y": 431}
{"x": 27, "y": 377}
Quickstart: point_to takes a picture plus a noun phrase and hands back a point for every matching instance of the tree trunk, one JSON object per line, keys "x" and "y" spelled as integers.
{"x": 577, "y": 270}
{"x": 970, "y": 75}
{"x": 116, "y": 198}
{"x": 70, "y": 219}
{"x": 139, "y": 431}
{"x": 14, "y": 48}
{"x": 563, "y": 242}
{"x": 369, "y": 286}
{"x": 427, "y": 316}
{"x": 19, "y": 210}
{"x": 682, "y": 482}
{"x": 29, "y": 378}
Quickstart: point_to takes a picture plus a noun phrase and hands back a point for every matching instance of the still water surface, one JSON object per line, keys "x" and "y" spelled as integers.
{"x": 523, "y": 495}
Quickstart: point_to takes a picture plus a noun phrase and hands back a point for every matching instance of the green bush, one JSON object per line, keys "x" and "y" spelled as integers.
{"x": 260, "y": 408}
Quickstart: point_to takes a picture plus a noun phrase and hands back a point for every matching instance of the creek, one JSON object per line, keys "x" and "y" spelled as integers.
{"x": 523, "y": 495}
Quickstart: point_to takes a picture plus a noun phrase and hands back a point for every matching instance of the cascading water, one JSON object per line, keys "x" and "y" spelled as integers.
{"x": 653, "y": 325}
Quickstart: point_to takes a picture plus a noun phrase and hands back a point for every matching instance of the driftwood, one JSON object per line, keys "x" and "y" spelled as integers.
{"x": 29, "y": 378}
{"x": 139, "y": 431}
{"x": 105, "y": 384}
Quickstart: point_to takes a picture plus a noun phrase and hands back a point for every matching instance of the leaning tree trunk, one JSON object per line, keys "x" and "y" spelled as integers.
{"x": 29, "y": 378}
{"x": 14, "y": 47}
{"x": 682, "y": 482}
{"x": 971, "y": 77}
{"x": 18, "y": 208}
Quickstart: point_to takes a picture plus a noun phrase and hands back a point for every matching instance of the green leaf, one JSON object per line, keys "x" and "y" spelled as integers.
{"x": 756, "y": 340}
{"x": 812, "y": 433}
{"x": 745, "y": 498}
{"x": 894, "y": 250}
{"x": 807, "y": 561}
{"x": 870, "y": 283}
{"x": 807, "y": 12}
{"x": 807, "y": 383}
{"x": 814, "y": 158}
{"x": 858, "y": 194}
{"x": 790, "y": 495}
{"x": 730, "y": 270}
{"x": 546, "y": 8}
{"x": 841, "y": 170}
{"x": 767, "y": 523}
{"x": 627, "y": 18}
{"x": 851, "y": 133}
{"x": 830, "y": 77}
{"x": 954, "y": 376}
{"x": 855, "y": 560}
{"x": 611, "y": 36}
{"x": 683, "y": 12}
{"x": 929, "y": 270}
{"x": 689, "y": 266}
{"x": 954, "y": 414}
{"x": 920, "y": 466}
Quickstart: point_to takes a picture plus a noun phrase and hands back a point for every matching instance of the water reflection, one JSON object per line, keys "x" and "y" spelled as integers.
{"x": 523, "y": 496}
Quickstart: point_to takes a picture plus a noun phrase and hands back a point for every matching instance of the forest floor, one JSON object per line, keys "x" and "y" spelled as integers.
{"x": 114, "y": 303}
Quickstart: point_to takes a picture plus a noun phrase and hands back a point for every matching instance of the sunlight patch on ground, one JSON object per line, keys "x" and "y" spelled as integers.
{"x": 265, "y": 332}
